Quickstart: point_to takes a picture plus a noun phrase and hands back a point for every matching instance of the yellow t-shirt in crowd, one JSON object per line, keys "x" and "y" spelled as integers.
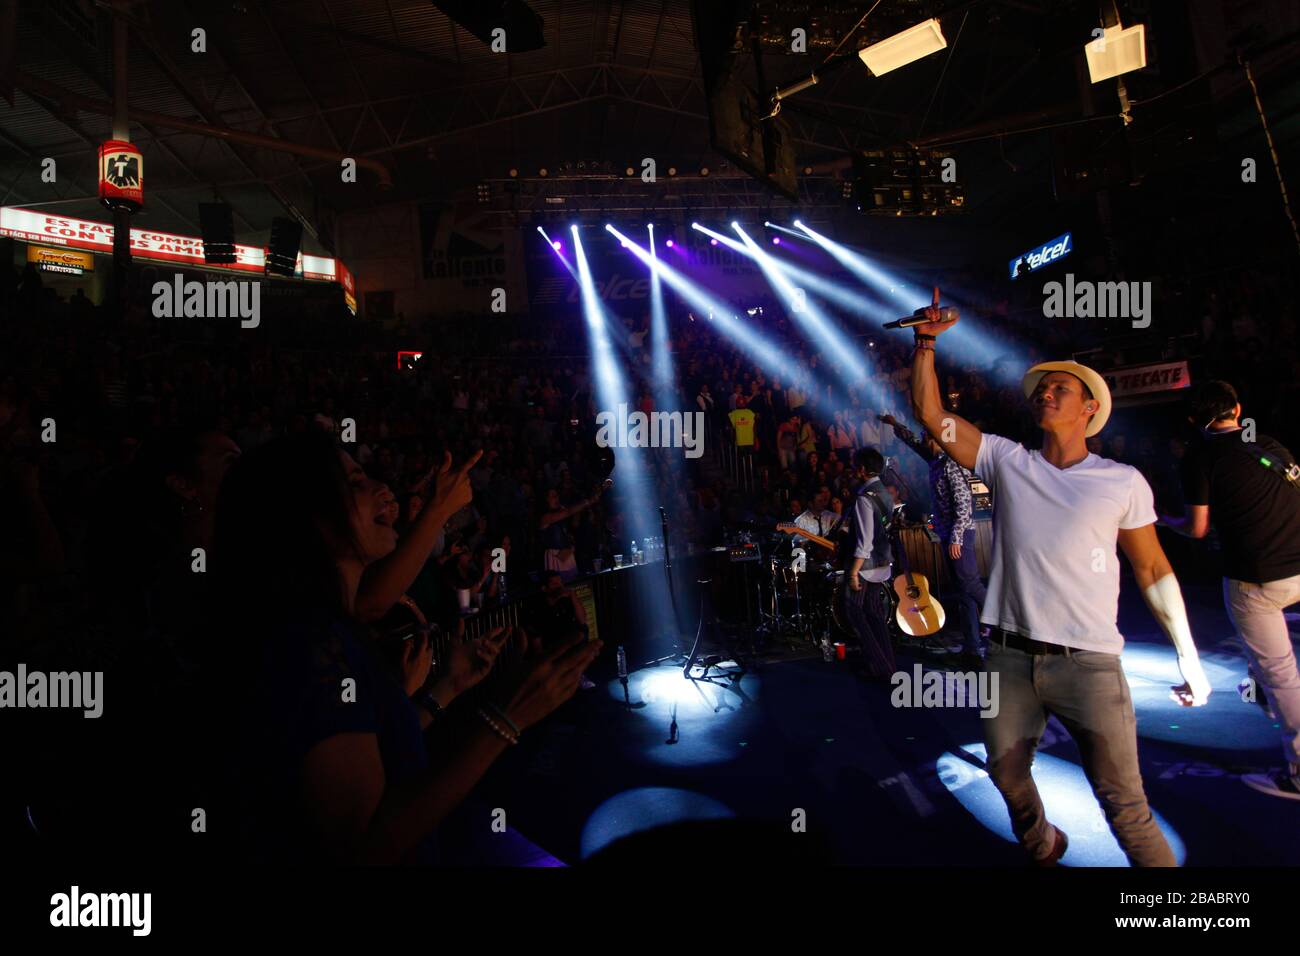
{"x": 742, "y": 419}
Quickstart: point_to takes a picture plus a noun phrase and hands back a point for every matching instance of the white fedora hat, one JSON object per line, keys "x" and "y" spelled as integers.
{"x": 1096, "y": 384}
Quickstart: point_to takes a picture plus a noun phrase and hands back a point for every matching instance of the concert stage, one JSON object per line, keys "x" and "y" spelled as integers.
{"x": 881, "y": 785}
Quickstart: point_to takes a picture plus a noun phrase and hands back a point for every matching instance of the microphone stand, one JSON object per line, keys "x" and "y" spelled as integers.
{"x": 668, "y": 571}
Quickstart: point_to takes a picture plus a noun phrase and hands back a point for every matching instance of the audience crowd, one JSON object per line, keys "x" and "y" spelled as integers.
{"x": 188, "y": 503}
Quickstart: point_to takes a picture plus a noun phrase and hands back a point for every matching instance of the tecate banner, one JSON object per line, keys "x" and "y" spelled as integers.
{"x": 1045, "y": 254}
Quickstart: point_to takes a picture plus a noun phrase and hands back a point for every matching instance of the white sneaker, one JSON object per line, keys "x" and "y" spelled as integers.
{"x": 1279, "y": 783}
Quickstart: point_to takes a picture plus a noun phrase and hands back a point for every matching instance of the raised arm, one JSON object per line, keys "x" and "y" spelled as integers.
{"x": 564, "y": 514}
{"x": 387, "y": 579}
{"x": 906, "y": 436}
{"x": 359, "y": 817}
{"x": 959, "y": 437}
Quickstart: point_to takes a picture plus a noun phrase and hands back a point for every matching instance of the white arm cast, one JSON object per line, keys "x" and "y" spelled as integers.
{"x": 1165, "y": 600}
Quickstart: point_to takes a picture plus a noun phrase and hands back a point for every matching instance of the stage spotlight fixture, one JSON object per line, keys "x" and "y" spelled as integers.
{"x": 630, "y": 171}
{"x": 704, "y": 170}
{"x": 1119, "y": 49}
{"x": 557, "y": 245}
{"x": 903, "y": 48}
{"x": 668, "y": 243}
{"x": 776, "y": 240}
{"x": 514, "y": 173}
{"x": 542, "y": 172}
{"x": 672, "y": 170}
{"x": 713, "y": 242}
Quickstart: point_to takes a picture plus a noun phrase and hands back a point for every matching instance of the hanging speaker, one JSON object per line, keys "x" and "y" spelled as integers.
{"x": 216, "y": 221}
{"x": 282, "y": 255}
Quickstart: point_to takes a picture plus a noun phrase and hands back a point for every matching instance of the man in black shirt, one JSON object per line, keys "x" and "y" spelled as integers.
{"x": 1256, "y": 511}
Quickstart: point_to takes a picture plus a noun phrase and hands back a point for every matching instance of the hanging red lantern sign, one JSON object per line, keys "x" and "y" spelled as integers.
{"x": 121, "y": 176}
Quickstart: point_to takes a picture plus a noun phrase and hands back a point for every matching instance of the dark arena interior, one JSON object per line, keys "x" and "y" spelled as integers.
{"x": 691, "y": 437}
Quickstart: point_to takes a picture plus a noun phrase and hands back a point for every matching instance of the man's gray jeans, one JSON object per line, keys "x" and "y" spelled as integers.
{"x": 1088, "y": 693}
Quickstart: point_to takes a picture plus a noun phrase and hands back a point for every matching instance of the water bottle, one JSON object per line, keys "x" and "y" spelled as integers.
{"x": 636, "y": 554}
{"x": 645, "y": 550}
{"x": 622, "y": 663}
{"x": 828, "y": 652}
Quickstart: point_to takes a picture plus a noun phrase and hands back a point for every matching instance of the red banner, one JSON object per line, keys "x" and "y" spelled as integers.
{"x": 55, "y": 230}
{"x": 121, "y": 175}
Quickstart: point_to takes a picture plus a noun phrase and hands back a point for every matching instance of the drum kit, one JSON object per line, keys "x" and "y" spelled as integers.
{"x": 795, "y": 596}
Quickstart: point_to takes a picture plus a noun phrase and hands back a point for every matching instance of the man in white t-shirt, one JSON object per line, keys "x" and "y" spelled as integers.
{"x": 1053, "y": 596}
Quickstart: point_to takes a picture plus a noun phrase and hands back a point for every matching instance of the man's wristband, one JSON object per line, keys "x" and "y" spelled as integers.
{"x": 919, "y": 336}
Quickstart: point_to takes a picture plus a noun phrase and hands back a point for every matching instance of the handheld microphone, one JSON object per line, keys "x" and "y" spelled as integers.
{"x": 946, "y": 314}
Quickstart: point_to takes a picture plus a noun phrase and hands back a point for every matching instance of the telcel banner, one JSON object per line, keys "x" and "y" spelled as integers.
{"x": 1036, "y": 258}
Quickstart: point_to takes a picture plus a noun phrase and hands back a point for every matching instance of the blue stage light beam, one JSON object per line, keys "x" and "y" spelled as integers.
{"x": 791, "y": 232}
{"x": 896, "y": 290}
{"x": 845, "y": 355}
{"x": 853, "y": 302}
{"x": 558, "y": 248}
{"x": 611, "y": 393}
{"x": 850, "y": 362}
{"x": 661, "y": 361}
{"x": 769, "y": 356}
{"x": 861, "y": 308}
{"x": 905, "y": 296}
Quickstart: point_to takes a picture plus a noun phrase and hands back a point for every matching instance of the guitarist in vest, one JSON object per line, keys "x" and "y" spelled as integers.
{"x": 1053, "y": 596}
{"x": 866, "y": 558}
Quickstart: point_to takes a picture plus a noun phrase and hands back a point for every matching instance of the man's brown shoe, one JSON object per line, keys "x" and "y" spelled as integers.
{"x": 1058, "y": 849}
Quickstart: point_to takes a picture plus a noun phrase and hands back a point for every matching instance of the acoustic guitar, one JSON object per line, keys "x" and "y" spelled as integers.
{"x": 918, "y": 614}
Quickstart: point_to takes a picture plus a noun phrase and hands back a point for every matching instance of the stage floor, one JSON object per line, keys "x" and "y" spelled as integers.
{"x": 802, "y": 744}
